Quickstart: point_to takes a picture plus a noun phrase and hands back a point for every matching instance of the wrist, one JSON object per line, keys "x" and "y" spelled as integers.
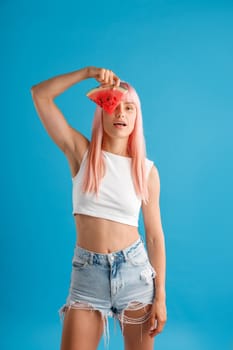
{"x": 160, "y": 292}
{"x": 89, "y": 72}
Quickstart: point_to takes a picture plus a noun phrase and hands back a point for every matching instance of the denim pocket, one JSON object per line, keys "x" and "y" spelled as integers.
{"x": 138, "y": 258}
{"x": 79, "y": 262}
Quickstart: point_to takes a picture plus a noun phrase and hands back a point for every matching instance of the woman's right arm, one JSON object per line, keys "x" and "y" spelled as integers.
{"x": 43, "y": 94}
{"x": 69, "y": 140}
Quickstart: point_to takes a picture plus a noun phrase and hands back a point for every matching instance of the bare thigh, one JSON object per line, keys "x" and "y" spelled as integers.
{"x": 82, "y": 329}
{"x": 136, "y": 336}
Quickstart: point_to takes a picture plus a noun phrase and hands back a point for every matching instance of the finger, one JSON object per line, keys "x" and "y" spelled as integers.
{"x": 116, "y": 85}
{"x": 116, "y": 80}
{"x": 106, "y": 78}
{"x": 102, "y": 74}
{"x": 157, "y": 330}
{"x": 154, "y": 332}
{"x": 153, "y": 323}
{"x": 111, "y": 77}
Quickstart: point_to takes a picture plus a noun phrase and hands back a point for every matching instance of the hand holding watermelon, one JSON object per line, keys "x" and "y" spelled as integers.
{"x": 104, "y": 76}
{"x": 110, "y": 92}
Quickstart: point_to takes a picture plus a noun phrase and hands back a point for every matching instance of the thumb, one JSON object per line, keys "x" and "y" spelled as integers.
{"x": 153, "y": 323}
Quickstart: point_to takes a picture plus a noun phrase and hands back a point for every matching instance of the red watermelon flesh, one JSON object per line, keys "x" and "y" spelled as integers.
{"x": 107, "y": 97}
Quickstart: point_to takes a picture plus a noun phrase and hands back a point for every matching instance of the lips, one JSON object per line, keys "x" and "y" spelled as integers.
{"x": 119, "y": 124}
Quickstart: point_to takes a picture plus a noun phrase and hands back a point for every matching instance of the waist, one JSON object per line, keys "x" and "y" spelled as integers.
{"x": 103, "y": 236}
{"x": 104, "y": 259}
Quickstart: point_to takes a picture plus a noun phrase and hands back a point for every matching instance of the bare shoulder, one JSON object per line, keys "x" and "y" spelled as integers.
{"x": 75, "y": 153}
{"x": 153, "y": 189}
{"x": 154, "y": 178}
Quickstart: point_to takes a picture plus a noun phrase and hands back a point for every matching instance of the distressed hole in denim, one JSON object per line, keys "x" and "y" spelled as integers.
{"x": 80, "y": 305}
{"x": 136, "y": 313}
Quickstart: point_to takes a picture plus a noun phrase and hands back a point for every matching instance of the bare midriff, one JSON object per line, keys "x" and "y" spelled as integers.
{"x": 103, "y": 236}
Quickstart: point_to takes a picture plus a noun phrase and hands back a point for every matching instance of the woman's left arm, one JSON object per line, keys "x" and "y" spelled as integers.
{"x": 155, "y": 243}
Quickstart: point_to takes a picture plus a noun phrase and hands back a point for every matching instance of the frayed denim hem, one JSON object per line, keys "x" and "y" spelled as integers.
{"x": 88, "y": 306}
{"x": 121, "y": 317}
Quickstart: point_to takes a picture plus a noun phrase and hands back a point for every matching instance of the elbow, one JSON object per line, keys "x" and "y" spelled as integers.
{"x": 153, "y": 236}
{"x": 33, "y": 90}
{"x": 151, "y": 240}
{"x": 36, "y": 94}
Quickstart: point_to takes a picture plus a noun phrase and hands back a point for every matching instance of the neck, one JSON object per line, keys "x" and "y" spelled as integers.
{"x": 118, "y": 146}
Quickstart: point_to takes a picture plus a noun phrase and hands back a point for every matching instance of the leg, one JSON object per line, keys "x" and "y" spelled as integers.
{"x": 135, "y": 327}
{"x": 82, "y": 329}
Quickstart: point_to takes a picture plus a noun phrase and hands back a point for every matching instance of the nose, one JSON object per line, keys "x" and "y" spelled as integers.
{"x": 119, "y": 110}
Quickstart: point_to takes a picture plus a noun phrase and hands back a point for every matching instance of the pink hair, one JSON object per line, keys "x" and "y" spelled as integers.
{"x": 95, "y": 167}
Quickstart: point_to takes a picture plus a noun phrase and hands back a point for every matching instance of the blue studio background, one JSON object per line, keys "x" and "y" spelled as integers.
{"x": 178, "y": 55}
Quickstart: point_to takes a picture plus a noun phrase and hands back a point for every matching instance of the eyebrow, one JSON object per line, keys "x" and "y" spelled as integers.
{"x": 129, "y": 103}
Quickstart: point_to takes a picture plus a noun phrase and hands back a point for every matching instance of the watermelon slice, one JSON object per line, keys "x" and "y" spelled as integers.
{"x": 107, "y": 97}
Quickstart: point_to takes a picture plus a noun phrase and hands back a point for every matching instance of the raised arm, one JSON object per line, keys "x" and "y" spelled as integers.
{"x": 68, "y": 139}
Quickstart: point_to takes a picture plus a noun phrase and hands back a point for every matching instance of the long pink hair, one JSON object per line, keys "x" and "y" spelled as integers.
{"x": 95, "y": 166}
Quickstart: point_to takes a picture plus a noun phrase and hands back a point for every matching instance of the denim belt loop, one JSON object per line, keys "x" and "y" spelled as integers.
{"x": 125, "y": 255}
{"x": 90, "y": 259}
{"x": 127, "y": 252}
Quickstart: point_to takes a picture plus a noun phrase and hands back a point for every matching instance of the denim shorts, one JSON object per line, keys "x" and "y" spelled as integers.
{"x": 112, "y": 283}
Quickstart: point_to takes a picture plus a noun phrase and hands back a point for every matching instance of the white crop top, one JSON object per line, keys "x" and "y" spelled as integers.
{"x": 117, "y": 199}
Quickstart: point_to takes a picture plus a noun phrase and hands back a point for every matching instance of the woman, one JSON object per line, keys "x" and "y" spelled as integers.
{"x": 112, "y": 273}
